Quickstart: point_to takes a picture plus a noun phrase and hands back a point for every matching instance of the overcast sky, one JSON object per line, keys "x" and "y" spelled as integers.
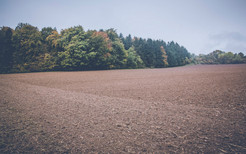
{"x": 199, "y": 25}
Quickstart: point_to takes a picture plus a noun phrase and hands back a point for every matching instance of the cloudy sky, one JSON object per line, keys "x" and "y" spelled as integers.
{"x": 199, "y": 25}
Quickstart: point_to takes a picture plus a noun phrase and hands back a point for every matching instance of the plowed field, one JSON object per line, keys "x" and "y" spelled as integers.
{"x": 191, "y": 109}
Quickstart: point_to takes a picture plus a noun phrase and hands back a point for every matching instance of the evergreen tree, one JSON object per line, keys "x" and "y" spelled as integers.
{"x": 128, "y": 42}
{"x": 6, "y": 49}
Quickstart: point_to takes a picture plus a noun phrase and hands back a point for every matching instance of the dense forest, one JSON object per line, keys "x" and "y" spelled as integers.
{"x": 27, "y": 49}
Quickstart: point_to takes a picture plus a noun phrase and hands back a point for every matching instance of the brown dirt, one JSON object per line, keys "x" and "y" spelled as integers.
{"x": 191, "y": 109}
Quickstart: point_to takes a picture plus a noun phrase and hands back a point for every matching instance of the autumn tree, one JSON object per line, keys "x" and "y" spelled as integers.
{"x": 163, "y": 58}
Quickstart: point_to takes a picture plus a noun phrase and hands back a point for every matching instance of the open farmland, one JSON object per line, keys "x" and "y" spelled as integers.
{"x": 184, "y": 109}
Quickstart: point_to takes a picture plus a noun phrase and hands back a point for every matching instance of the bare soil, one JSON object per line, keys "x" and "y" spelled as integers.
{"x": 191, "y": 109}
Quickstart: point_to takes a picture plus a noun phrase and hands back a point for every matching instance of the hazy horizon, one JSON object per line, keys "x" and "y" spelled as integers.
{"x": 198, "y": 25}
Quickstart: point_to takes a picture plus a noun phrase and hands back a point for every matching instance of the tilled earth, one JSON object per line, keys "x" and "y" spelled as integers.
{"x": 191, "y": 109}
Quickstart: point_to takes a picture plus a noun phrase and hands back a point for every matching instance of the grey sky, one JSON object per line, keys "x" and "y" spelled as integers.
{"x": 199, "y": 25}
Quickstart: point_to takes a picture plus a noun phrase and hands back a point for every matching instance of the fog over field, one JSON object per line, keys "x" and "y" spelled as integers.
{"x": 190, "y": 109}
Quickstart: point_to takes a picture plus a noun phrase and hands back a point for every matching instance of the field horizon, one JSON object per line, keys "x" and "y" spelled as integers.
{"x": 188, "y": 109}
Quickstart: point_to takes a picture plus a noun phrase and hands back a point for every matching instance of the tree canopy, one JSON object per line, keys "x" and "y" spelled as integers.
{"x": 28, "y": 49}
{"x": 220, "y": 57}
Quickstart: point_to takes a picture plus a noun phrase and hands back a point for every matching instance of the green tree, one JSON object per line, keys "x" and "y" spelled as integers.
{"x": 177, "y": 54}
{"x": 50, "y": 47}
{"x": 53, "y": 41}
{"x": 220, "y": 57}
{"x": 99, "y": 50}
{"x": 226, "y": 58}
{"x": 46, "y": 31}
{"x": 73, "y": 47}
{"x": 112, "y": 35}
{"x": 172, "y": 54}
{"x": 128, "y": 42}
{"x": 133, "y": 59}
{"x": 118, "y": 55}
{"x": 237, "y": 59}
{"x": 241, "y": 54}
{"x": 28, "y": 47}
{"x": 146, "y": 51}
{"x": 6, "y": 49}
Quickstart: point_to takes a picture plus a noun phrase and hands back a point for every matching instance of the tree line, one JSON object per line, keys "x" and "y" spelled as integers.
{"x": 219, "y": 57}
{"x": 27, "y": 49}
